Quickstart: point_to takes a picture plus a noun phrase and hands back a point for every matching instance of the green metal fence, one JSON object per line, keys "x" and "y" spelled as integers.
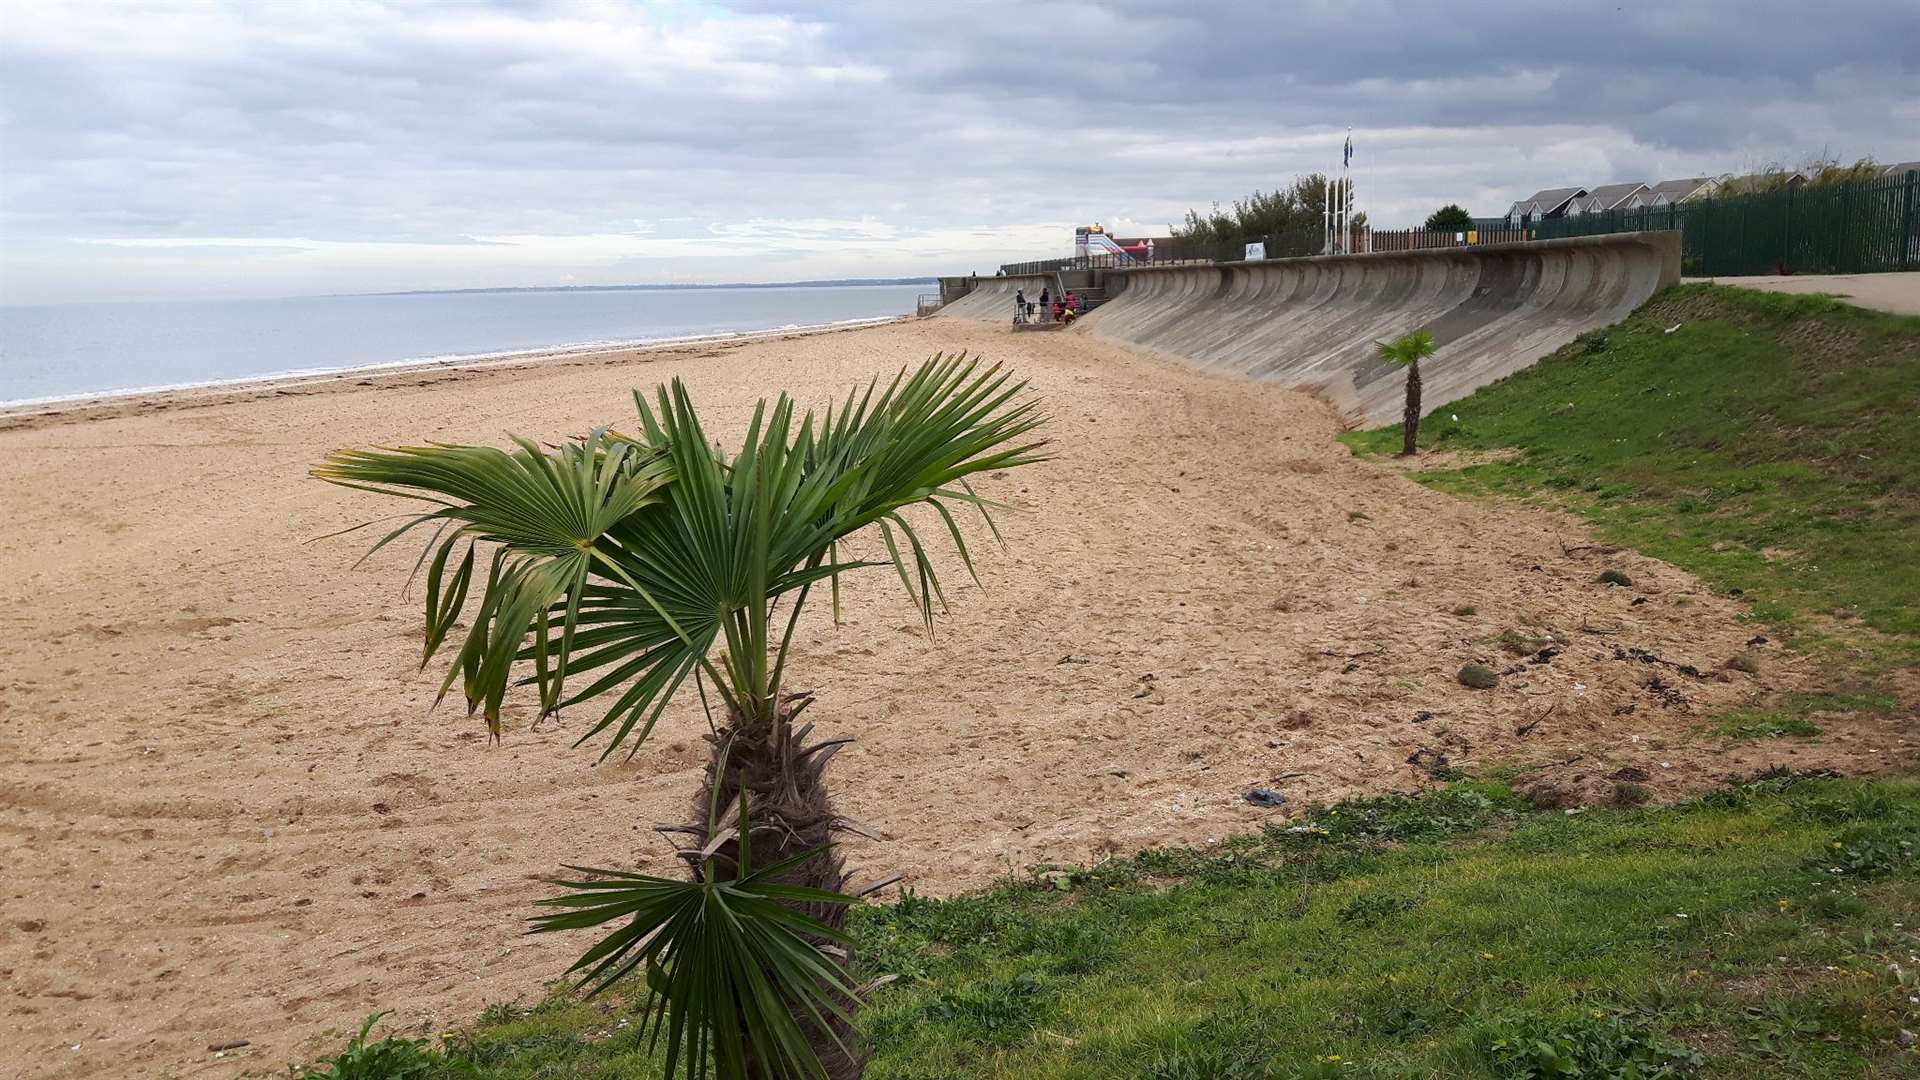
{"x": 1830, "y": 229}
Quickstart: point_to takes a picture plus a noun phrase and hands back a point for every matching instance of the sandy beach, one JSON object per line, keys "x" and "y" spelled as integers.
{"x": 228, "y": 813}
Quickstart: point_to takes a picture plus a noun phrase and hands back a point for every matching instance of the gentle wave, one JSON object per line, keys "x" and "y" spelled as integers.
{"x": 577, "y": 348}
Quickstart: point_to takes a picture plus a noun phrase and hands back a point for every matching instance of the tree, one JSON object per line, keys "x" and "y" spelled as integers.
{"x": 633, "y": 563}
{"x": 1295, "y": 210}
{"x": 1408, "y": 350}
{"x": 1450, "y": 218}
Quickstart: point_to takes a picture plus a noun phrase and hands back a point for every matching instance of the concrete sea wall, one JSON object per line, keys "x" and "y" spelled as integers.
{"x": 992, "y": 297}
{"x": 1311, "y": 323}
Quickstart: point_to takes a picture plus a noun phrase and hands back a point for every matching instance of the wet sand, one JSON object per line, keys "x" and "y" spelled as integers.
{"x": 227, "y": 811}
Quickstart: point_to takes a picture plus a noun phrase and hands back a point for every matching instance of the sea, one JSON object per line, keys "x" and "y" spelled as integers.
{"x": 59, "y": 352}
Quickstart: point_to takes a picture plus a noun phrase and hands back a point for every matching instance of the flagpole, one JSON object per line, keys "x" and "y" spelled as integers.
{"x": 1346, "y": 195}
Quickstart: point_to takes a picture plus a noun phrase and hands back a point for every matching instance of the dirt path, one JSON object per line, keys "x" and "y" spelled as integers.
{"x": 226, "y": 812}
{"x": 1897, "y": 293}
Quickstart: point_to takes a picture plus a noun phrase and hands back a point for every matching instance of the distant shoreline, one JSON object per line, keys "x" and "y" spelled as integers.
{"x": 15, "y": 414}
{"x": 836, "y": 283}
{"x": 830, "y": 283}
{"x": 54, "y": 356}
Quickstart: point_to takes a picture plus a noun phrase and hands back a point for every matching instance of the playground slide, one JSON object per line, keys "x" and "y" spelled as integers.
{"x": 1102, "y": 244}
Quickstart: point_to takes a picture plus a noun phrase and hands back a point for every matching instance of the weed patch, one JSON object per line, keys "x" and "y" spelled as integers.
{"x": 1758, "y": 440}
{"x": 1455, "y": 933}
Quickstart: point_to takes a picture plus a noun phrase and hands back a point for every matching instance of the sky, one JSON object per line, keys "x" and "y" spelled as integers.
{"x": 155, "y": 149}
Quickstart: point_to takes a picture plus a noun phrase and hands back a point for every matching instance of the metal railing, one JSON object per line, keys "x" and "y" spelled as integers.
{"x": 1180, "y": 249}
{"x": 1827, "y": 229}
{"x": 1434, "y": 239}
{"x": 1042, "y": 266}
{"x": 927, "y": 303}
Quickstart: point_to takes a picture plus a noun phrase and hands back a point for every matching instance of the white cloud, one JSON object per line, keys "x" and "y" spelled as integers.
{"x": 173, "y": 148}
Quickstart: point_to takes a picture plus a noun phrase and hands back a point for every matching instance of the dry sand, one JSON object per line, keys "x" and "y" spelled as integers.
{"x": 226, "y": 811}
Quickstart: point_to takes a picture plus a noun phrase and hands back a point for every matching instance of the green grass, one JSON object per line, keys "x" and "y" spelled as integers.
{"x": 1764, "y": 930}
{"x": 1765, "y": 724}
{"x": 1765, "y": 443}
{"x": 1788, "y": 714}
{"x": 1767, "y": 929}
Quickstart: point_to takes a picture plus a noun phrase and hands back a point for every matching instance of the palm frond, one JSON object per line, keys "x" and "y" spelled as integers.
{"x": 626, "y": 561}
{"x": 1408, "y": 348}
{"x": 545, "y": 511}
{"x": 721, "y": 955}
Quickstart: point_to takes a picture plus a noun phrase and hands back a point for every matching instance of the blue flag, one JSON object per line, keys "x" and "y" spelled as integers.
{"x": 1347, "y": 158}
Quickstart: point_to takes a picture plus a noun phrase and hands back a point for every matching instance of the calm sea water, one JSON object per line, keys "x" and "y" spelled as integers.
{"x": 81, "y": 350}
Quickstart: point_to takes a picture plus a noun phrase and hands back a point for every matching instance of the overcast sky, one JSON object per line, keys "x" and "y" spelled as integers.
{"x": 274, "y": 147}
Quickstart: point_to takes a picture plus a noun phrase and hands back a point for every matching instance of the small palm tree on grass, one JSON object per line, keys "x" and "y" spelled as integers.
{"x": 1408, "y": 350}
{"x": 620, "y": 567}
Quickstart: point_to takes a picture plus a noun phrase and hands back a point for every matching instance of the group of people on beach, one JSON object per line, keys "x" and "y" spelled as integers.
{"x": 1062, "y": 309}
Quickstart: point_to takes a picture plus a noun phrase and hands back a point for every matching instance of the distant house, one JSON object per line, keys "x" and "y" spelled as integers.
{"x": 1551, "y": 203}
{"x": 1574, "y": 201}
{"x": 1605, "y": 197}
{"x": 1679, "y": 191}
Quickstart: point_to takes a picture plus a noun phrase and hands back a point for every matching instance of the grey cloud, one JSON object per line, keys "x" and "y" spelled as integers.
{"x": 435, "y": 122}
{"x": 1246, "y": 61}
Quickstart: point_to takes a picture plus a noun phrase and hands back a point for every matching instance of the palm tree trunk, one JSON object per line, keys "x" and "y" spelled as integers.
{"x": 1411, "y": 424}
{"x": 791, "y": 813}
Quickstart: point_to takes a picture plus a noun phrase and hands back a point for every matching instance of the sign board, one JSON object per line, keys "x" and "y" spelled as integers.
{"x": 1256, "y": 251}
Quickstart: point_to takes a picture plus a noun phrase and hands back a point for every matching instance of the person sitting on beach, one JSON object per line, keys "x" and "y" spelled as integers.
{"x": 1073, "y": 302}
{"x": 1059, "y": 309}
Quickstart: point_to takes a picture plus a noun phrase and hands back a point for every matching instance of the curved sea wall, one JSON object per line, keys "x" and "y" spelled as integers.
{"x": 992, "y": 297}
{"x": 1312, "y": 323}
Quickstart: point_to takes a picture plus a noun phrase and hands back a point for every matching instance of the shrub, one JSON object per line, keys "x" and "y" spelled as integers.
{"x": 389, "y": 1059}
{"x": 1605, "y": 1044}
{"x": 1479, "y": 677}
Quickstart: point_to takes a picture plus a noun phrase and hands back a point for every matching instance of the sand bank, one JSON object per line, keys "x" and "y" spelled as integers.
{"x": 226, "y": 811}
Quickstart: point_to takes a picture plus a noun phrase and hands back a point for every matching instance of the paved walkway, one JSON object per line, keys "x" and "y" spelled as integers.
{"x": 1897, "y": 293}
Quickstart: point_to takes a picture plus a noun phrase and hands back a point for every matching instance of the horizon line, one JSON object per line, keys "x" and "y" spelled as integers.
{"x": 811, "y": 283}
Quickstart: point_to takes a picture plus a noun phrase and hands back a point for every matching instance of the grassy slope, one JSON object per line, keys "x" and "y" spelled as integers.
{"x": 1453, "y": 934}
{"x": 1765, "y": 444}
{"x": 1764, "y": 441}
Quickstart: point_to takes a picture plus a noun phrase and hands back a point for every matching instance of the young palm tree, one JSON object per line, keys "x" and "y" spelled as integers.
{"x": 631, "y": 563}
{"x": 1408, "y": 350}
